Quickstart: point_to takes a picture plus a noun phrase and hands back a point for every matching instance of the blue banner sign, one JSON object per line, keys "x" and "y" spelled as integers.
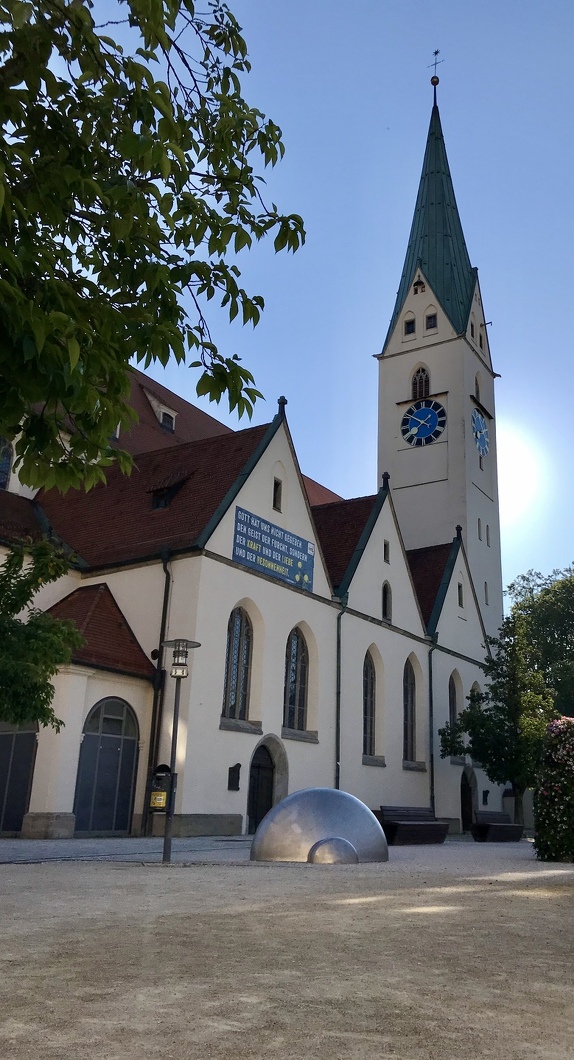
{"x": 272, "y": 550}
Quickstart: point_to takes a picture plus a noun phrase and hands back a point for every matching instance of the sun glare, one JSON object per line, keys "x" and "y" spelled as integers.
{"x": 521, "y": 476}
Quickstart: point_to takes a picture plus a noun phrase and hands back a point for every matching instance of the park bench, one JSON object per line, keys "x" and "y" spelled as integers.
{"x": 492, "y": 827}
{"x": 404, "y": 825}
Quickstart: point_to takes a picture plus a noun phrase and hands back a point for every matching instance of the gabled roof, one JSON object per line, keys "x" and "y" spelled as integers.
{"x": 191, "y": 425}
{"x": 436, "y": 243}
{"x": 340, "y": 527}
{"x": 110, "y": 643}
{"x": 116, "y": 522}
{"x": 430, "y": 571}
{"x": 19, "y": 520}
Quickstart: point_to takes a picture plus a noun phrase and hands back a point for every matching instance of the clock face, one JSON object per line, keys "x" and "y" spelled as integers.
{"x": 423, "y": 422}
{"x": 480, "y": 432}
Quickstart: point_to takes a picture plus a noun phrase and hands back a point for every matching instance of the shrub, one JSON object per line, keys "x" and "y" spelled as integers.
{"x": 554, "y": 794}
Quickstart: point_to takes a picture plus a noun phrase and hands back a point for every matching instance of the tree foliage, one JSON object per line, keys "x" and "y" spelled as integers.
{"x": 127, "y": 187}
{"x": 545, "y": 604}
{"x": 503, "y": 728}
{"x": 33, "y": 647}
{"x": 554, "y": 794}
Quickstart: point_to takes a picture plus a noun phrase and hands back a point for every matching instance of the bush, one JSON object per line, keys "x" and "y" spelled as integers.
{"x": 554, "y": 794}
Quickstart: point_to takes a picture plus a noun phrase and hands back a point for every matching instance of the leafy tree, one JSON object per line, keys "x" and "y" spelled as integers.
{"x": 34, "y": 647}
{"x": 554, "y": 794}
{"x": 545, "y": 604}
{"x": 503, "y": 728}
{"x": 127, "y": 186}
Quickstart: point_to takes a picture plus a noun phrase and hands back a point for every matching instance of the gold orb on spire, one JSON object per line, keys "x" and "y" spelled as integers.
{"x": 434, "y": 80}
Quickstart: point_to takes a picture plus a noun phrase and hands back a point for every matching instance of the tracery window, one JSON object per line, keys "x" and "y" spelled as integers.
{"x": 420, "y": 384}
{"x": 409, "y": 713}
{"x": 296, "y": 681}
{"x": 237, "y": 665}
{"x": 369, "y": 696}
{"x": 452, "y": 701}
{"x": 387, "y": 602}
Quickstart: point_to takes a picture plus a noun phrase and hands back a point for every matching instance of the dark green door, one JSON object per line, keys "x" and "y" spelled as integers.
{"x": 260, "y": 787}
{"x": 107, "y": 770}
{"x": 17, "y": 756}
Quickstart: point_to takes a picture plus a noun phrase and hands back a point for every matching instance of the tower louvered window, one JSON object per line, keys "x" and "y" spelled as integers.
{"x": 421, "y": 384}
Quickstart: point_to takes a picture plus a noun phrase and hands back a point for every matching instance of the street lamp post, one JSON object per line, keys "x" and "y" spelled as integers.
{"x": 178, "y": 670}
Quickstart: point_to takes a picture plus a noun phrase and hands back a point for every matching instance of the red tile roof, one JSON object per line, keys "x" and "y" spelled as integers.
{"x": 18, "y": 519}
{"x": 115, "y": 522}
{"x": 109, "y": 640}
{"x": 339, "y": 526}
{"x": 427, "y": 569}
{"x": 191, "y": 425}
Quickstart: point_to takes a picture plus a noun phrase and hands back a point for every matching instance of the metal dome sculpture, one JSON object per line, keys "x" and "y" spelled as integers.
{"x": 320, "y": 825}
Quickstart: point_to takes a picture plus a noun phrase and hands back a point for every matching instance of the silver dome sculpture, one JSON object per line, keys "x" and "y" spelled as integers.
{"x": 320, "y": 825}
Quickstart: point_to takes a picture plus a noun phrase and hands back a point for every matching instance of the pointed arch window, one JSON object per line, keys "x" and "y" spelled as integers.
{"x": 369, "y": 698}
{"x": 6, "y": 454}
{"x": 387, "y": 602}
{"x": 452, "y": 701}
{"x": 237, "y": 665}
{"x": 409, "y": 713}
{"x": 296, "y": 681}
{"x": 477, "y": 387}
{"x": 420, "y": 384}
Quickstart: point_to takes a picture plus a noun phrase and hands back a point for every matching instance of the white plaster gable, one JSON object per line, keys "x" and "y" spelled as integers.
{"x": 418, "y": 306}
{"x": 256, "y": 496}
{"x": 461, "y": 628}
{"x": 366, "y": 587}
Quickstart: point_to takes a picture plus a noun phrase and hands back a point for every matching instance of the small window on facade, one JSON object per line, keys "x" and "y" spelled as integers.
{"x": 460, "y": 595}
{"x": 409, "y": 713}
{"x": 481, "y": 463}
{"x": 479, "y": 530}
{"x": 369, "y": 694}
{"x": 387, "y": 602}
{"x": 472, "y": 329}
{"x": 237, "y": 665}
{"x": 452, "y": 704}
{"x": 420, "y": 384}
{"x": 410, "y": 326}
{"x": 486, "y": 593}
{"x": 386, "y": 552}
{"x": 296, "y": 678}
{"x": 277, "y": 491}
{"x": 488, "y": 535}
{"x": 477, "y": 388}
{"x": 480, "y": 340}
{"x": 6, "y": 454}
{"x": 167, "y": 421}
{"x": 430, "y": 321}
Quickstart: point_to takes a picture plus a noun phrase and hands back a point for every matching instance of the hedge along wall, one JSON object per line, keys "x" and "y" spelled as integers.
{"x": 554, "y": 794}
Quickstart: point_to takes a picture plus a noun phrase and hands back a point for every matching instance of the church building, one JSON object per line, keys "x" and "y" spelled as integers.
{"x": 336, "y": 637}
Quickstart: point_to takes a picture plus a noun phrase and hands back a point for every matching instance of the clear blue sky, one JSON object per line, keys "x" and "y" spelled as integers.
{"x": 349, "y": 85}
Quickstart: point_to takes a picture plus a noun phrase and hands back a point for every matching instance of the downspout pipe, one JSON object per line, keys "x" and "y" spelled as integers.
{"x": 158, "y": 690}
{"x": 431, "y": 724}
{"x": 344, "y": 603}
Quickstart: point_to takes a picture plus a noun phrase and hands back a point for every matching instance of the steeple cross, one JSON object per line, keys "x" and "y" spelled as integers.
{"x": 437, "y": 61}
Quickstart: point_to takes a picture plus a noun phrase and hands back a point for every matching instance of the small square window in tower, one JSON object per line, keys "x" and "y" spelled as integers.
{"x": 168, "y": 421}
{"x": 277, "y": 491}
{"x": 410, "y": 326}
{"x": 431, "y": 321}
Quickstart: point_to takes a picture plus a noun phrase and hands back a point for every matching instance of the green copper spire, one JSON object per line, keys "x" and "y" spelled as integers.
{"x": 436, "y": 243}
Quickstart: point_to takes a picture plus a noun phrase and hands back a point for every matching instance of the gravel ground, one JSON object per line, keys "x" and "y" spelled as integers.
{"x": 446, "y": 952}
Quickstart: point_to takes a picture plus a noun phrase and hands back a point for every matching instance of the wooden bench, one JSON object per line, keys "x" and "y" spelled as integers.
{"x": 406, "y": 825}
{"x": 492, "y": 827}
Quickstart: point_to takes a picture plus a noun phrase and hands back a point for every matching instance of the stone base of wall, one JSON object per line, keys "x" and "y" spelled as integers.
{"x": 453, "y": 824}
{"x": 197, "y": 824}
{"x": 48, "y": 826}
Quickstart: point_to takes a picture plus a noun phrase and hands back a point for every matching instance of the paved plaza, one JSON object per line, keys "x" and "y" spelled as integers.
{"x": 445, "y": 952}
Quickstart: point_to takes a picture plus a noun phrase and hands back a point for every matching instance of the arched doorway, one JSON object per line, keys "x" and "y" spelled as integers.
{"x": 261, "y": 776}
{"x": 17, "y": 756}
{"x": 107, "y": 769}
{"x": 468, "y": 799}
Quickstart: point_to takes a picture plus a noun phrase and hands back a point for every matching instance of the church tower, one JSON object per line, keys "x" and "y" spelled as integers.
{"x": 436, "y": 389}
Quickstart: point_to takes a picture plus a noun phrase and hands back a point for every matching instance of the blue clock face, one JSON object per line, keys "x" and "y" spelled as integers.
{"x": 423, "y": 422}
{"x": 480, "y": 432}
